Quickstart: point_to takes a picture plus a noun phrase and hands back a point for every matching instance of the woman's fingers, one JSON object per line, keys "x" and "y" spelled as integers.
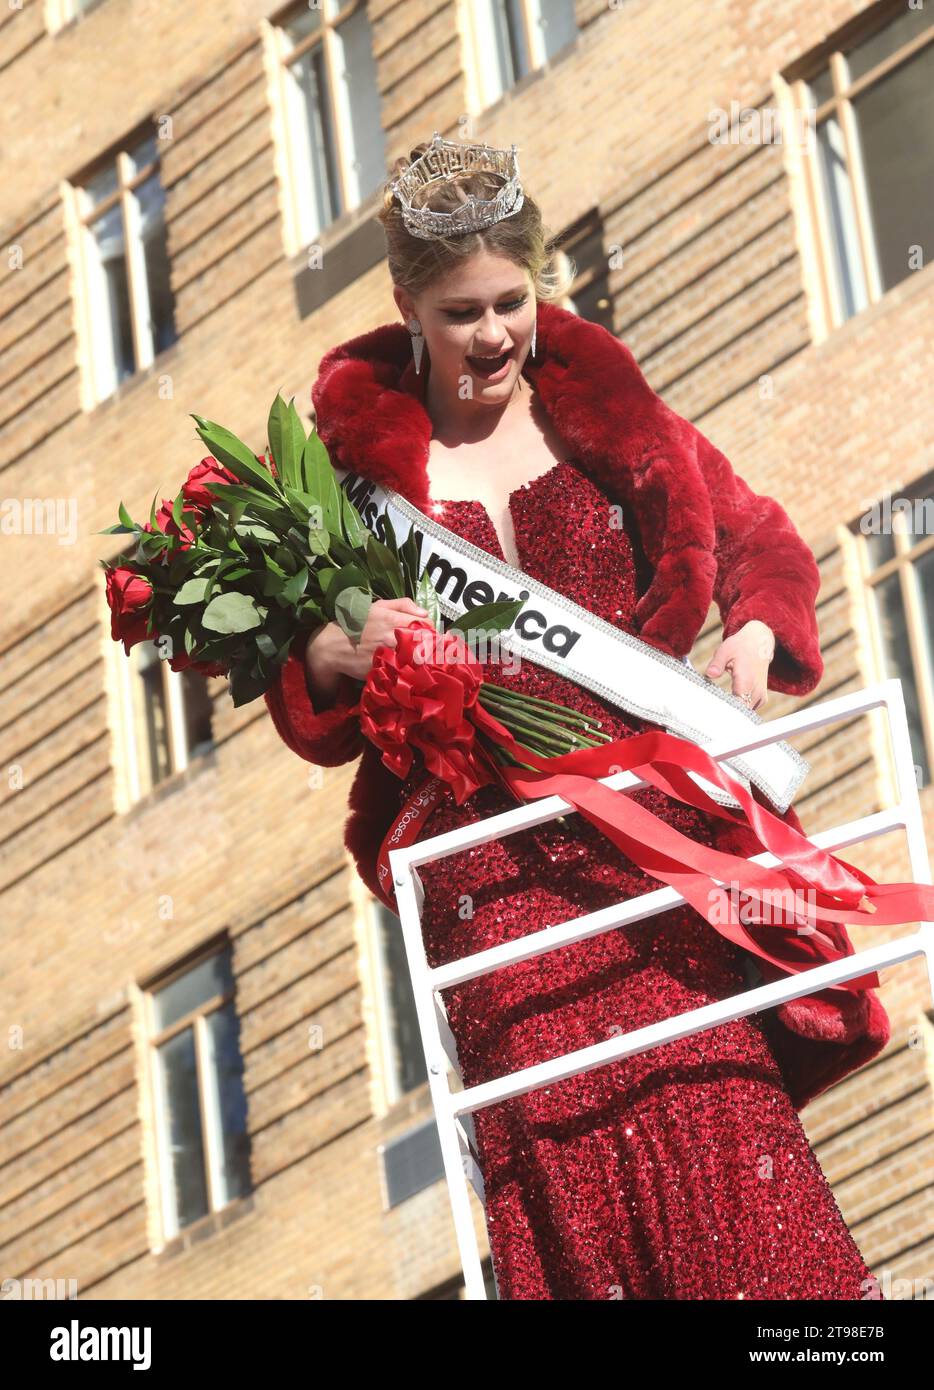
{"x": 747, "y": 681}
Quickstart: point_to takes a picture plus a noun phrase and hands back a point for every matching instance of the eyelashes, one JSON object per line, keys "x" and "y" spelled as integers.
{"x": 457, "y": 314}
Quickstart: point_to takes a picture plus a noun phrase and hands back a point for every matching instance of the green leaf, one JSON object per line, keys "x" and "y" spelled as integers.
{"x": 319, "y": 542}
{"x": 245, "y": 686}
{"x": 234, "y": 454}
{"x": 192, "y": 591}
{"x": 296, "y": 586}
{"x": 292, "y": 433}
{"x": 125, "y": 517}
{"x": 233, "y": 612}
{"x": 347, "y": 577}
{"x": 321, "y": 482}
{"x": 257, "y": 530}
{"x": 273, "y": 567}
{"x": 310, "y": 609}
{"x": 351, "y": 611}
{"x": 427, "y": 596}
{"x": 385, "y": 569}
{"x": 388, "y": 535}
{"x": 488, "y": 617}
{"x": 351, "y": 520}
{"x": 274, "y": 431}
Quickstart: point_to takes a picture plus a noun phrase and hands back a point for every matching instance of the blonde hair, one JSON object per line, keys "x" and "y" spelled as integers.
{"x": 415, "y": 264}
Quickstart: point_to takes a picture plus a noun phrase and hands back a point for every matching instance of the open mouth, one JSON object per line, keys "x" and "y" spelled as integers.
{"x": 491, "y": 367}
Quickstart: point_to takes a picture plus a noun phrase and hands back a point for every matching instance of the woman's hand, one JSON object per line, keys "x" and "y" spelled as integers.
{"x": 746, "y": 655}
{"x": 329, "y": 652}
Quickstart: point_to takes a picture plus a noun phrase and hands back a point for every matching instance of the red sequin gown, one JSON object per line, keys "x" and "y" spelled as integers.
{"x": 681, "y": 1173}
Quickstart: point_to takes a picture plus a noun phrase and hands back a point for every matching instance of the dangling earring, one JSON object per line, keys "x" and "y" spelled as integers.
{"x": 534, "y": 331}
{"x": 418, "y": 342}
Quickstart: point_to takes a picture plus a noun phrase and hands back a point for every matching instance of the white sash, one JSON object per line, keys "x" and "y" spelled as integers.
{"x": 564, "y": 637}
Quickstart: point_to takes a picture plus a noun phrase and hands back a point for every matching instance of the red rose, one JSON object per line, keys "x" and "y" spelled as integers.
{"x": 166, "y": 524}
{"x": 207, "y": 668}
{"x": 270, "y": 463}
{"x": 129, "y": 595}
{"x": 197, "y": 487}
{"x": 412, "y": 701}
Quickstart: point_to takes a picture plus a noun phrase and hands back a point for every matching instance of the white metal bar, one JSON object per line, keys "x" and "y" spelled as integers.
{"x": 648, "y": 904}
{"x": 454, "y": 1108}
{"x": 537, "y": 812}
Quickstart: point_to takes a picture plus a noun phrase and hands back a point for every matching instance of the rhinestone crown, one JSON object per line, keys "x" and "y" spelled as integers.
{"x": 444, "y": 158}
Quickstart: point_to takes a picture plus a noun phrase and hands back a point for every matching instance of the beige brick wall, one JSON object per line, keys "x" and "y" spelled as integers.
{"x": 711, "y": 297}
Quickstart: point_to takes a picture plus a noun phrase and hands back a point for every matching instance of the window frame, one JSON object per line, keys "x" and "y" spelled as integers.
{"x": 831, "y": 57}
{"x": 122, "y": 672}
{"x": 78, "y": 222}
{"x": 908, "y": 550}
{"x": 384, "y": 1043}
{"x": 480, "y": 96}
{"x": 278, "y": 58}
{"x": 154, "y": 1039}
{"x": 173, "y": 693}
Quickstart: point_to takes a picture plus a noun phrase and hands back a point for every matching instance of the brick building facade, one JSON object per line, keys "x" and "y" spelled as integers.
{"x": 210, "y": 1086}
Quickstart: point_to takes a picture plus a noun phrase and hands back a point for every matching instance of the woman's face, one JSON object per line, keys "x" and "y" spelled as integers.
{"x": 484, "y": 308}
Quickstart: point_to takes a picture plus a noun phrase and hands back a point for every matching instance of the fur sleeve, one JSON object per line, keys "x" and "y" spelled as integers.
{"x": 328, "y": 736}
{"x": 765, "y": 570}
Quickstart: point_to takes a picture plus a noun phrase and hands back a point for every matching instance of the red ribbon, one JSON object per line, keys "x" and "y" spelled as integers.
{"x": 838, "y": 892}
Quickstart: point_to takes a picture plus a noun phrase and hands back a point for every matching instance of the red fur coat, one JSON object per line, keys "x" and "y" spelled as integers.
{"x": 707, "y": 538}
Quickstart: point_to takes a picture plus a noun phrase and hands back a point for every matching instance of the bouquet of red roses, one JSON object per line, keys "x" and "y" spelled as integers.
{"x": 256, "y": 548}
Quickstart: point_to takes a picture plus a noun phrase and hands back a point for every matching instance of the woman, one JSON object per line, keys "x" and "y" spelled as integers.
{"x": 683, "y": 1172}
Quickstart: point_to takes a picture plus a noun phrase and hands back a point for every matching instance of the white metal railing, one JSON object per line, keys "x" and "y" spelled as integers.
{"x": 457, "y": 1149}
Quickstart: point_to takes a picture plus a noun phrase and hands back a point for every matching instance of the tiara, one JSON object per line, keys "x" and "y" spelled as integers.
{"x": 444, "y": 158}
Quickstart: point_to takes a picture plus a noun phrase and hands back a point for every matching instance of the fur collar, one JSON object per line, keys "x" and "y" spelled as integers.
{"x": 372, "y": 419}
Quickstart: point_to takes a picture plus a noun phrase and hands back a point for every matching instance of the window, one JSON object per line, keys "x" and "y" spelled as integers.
{"x": 870, "y": 177}
{"x": 584, "y": 257}
{"x": 896, "y": 545}
{"x": 125, "y": 309}
{"x": 400, "y": 1039}
{"x": 197, "y": 1085}
{"x": 327, "y": 100}
{"x": 510, "y": 38}
{"x": 58, "y": 13}
{"x": 166, "y": 717}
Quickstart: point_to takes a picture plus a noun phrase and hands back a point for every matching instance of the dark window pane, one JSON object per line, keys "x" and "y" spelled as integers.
{"x": 227, "y": 1104}
{"x": 366, "y": 145}
{"x": 558, "y": 24}
{"x": 895, "y": 119}
{"x": 924, "y": 576}
{"x": 820, "y": 88}
{"x": 513, "y": 37}
{"x": 181, "y": 1117}
{"x": 152, "y": 726}
{"x": 407, "y": 1041}
{"x": 208, "y": 978}
{"x": 897, "y": 660}
{"x": 888, "y": 40}
{"x": 111, "y": 308}
{"x": 310, "y": 78}
{"x": 151, "y": 199}
{"x": 102, "y": 184}
{"x": 881, "y": 547}
{"x": 144, "y": 153}
{"x": 841, "y": 214}
{"x": 198, "y": 707}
